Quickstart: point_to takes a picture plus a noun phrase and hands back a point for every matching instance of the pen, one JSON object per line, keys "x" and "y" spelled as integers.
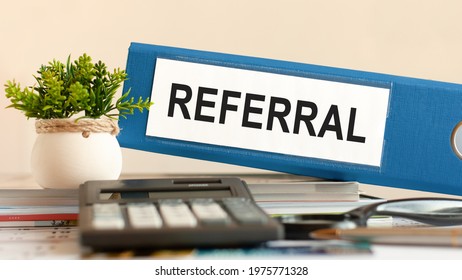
{"x": 404, "y": 236}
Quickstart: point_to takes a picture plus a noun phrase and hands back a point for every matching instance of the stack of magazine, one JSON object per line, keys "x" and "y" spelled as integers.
{"x": 37, "y": 207}
{"x": 311, "y": 197}
{"x": 60, "y": 207}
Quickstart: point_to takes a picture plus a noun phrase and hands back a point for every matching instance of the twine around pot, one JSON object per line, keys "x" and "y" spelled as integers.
{"x": 86, "y": 126}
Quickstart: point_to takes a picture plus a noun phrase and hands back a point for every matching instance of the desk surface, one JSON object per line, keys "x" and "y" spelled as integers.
{"x": 64, "y": 244}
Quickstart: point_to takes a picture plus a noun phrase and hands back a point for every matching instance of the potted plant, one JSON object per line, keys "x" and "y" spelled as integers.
{"x": 76, "y": 112}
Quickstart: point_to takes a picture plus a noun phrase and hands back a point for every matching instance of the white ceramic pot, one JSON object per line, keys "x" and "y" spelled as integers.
{"x": 68, "y": 159}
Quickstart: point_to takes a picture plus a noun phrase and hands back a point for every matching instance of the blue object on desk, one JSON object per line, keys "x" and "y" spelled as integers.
{"x": 355, "y": 126}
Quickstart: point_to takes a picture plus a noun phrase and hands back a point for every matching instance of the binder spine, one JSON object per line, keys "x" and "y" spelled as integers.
{"x": 416, "y": 151}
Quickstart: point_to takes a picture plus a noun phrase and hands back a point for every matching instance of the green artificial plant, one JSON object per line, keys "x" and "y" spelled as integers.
{"x": 80, "y": 88}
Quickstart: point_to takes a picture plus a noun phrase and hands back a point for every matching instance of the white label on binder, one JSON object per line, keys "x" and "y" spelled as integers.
{"x": 268, "y": 112}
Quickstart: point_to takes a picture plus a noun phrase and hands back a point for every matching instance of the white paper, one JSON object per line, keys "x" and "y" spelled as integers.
{"x": 369, "y": 105}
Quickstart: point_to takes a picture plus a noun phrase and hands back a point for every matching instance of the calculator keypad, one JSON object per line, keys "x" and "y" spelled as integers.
{"x": 244, "y": 211}
{"x": 209, "y": 212}
{"x": 172, "y": 214}
{"x": 176, "y": 213}
{"x": 107, "y": 216}
{"x": 144, "y": 215}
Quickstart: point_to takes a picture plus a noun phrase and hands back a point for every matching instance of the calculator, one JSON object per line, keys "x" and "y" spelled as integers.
{"x": 172, "y": 213}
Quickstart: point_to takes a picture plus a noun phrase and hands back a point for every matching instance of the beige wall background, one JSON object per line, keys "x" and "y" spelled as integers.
{"x": 410, "y": 38}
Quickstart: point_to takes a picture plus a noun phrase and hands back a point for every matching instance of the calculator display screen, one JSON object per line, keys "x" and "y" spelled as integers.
{"x": 167, "y": 194}
{"x": 211, "y": 193}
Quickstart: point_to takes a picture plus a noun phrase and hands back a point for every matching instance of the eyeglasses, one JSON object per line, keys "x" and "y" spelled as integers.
{"x": 431, "y": 211}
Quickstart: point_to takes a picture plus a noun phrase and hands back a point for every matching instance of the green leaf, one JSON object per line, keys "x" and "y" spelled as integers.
{"x": 63, "y": 90}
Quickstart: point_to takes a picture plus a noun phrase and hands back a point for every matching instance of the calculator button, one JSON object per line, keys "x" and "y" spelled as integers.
{"x": 244, "y": 211}
{"x": 209, "y": 212}
{"x": 177, "y": 214}
{"x": 143, "y": 215}
{"x": 107, "y": 216}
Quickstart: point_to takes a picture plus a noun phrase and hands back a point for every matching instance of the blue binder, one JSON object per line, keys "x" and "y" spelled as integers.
{"x": 256, "y": 112}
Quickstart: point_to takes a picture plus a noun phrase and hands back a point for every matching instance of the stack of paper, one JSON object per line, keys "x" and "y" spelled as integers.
{"x": 309, "y": 197}
{"x": 305, "y": 191}
{"x": 47, "y": 207}
{"x": 315, "y": 207}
